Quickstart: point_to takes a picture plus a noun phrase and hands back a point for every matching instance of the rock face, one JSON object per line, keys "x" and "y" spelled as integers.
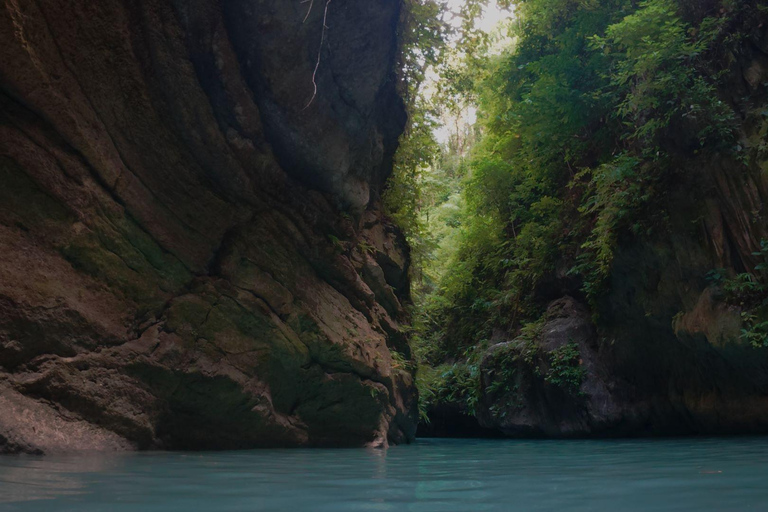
{"x": 549, "y": 382}
{"x": 565, "y": 380}
{"x": 191, "y": 251}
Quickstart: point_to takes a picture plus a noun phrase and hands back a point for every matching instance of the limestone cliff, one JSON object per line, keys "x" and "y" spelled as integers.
{"x": 191, "y": 251}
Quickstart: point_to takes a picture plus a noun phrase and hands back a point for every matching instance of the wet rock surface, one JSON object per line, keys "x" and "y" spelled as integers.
{"x": 191, "y": 251}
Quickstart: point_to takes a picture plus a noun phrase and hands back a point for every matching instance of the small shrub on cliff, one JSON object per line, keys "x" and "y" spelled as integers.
{"x": 457, "y": 383}
{"x": 565, "y": 368}
{"x": 755, "y": 331}
{"x": 752, "y": 292}
{"x": 749, "y": 292}
{"x": 400, "y": 362}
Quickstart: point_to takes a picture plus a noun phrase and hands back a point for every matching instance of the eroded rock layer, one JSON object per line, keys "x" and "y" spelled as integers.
{"x": 191, "y": 252}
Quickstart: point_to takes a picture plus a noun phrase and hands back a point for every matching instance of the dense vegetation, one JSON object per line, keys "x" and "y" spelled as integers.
{"x": 584, "y": 123}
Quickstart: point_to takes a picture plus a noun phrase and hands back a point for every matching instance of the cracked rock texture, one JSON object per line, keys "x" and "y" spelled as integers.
{"x": 192, "y": 254}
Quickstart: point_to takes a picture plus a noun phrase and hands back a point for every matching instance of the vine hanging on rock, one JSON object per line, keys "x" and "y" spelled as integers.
{"x": 319, "y": 50}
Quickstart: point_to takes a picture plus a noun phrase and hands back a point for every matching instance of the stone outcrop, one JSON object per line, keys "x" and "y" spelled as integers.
{"x": 550, "y": 382}
{"x": 191, "y": 250}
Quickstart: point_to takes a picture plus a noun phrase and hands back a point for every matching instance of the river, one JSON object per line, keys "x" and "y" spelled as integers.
{"x": 444, "y": 475}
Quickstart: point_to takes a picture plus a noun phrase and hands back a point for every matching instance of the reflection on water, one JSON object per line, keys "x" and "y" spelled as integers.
{"x": 432, "y": 475}
{"x": 39, "y": 478}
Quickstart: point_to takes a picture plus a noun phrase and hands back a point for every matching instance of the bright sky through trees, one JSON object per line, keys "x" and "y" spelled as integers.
{"x": 489, "y": 22}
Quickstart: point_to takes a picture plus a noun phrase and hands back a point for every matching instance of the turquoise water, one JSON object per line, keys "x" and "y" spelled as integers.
{"x": 431, "y": 475}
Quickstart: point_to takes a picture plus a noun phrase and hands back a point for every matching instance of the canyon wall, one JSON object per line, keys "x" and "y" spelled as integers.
{"x": 662, "y": 353}
{"x": 619, "y": 281}
{"x": 192, "y": 254}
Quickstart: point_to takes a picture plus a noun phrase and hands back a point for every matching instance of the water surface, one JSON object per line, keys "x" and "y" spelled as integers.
{"x": 431, "y": 475}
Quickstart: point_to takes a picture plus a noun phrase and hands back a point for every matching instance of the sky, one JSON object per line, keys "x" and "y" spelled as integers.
{"x": 488, "y": 22}
{"x": 491, "y": 17}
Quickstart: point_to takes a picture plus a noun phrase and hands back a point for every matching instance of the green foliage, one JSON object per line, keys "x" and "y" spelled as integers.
{"x": 338, "y": 245}
{"x": 600, "y": 113}
{"x": 400, "y": 362}
{"x": 615, "y": 193}
{"x": 655, "y": 82}
{"x": 565, "y": 368}
{"x": 423, "y": 35}
{"x": 585, "y": 121}
{"x": 658, "y": 92}
{"x": 457, "y": 383}
{"x": 366, "y": 248}
{"x": 416, "y": 153}
{"x": 749, "y": 291}
{"x": 505, "y": 387}
{"x": 754, "y": 330}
